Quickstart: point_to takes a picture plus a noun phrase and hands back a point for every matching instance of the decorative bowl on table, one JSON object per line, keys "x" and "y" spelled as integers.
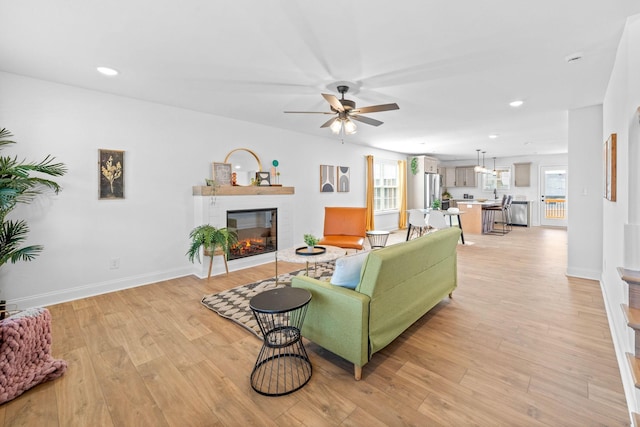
{"x": 482, "y": 200}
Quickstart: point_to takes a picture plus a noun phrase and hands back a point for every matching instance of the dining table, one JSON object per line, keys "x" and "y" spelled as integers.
{"x": 450, "y": 213}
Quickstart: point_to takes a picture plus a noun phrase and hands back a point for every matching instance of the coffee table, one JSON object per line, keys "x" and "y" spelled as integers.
{"x": 289, "y": 255}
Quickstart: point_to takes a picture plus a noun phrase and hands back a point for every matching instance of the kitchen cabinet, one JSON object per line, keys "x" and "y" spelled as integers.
{"x": 448, "y": 177}
{"x": 430, "y": 165}
{"x": 522, "y": 174}
{"x": 465, "y": 176}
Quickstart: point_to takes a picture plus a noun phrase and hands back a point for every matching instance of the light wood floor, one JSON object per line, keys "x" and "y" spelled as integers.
{"x": 519, "y": 344}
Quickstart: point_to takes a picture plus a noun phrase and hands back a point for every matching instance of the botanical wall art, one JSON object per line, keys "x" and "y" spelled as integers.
{"x": 343, "y": 179}
{"x": 111, "y": 170}
{"x": 327, "y": 179}
{"x": 222, "y": 173}
{"x": 610, "y": 167}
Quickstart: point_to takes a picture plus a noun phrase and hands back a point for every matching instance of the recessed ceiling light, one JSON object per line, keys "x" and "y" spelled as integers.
{"x": 516, "y": 103}
{"x": 493, "y": 136}
{"x": 107, "y": 71}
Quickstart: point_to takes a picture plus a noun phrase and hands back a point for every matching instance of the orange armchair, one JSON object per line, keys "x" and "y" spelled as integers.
{"x": 344, "y": 227}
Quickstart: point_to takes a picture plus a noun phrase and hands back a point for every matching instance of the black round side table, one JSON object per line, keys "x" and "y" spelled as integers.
{"x": 282, "y": 366}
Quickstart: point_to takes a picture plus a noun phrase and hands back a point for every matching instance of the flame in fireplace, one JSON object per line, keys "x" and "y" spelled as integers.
{"x": 248, "y": 247}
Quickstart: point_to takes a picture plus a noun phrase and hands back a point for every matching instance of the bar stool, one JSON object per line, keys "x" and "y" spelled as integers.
{"x": 505, "y": 210}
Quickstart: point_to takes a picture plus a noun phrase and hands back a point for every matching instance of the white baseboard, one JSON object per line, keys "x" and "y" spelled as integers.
{"x": 84, "y": 291}
{"x": 583, "y": 273}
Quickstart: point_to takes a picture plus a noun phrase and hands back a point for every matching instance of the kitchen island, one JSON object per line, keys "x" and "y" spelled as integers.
{"x": 474, "y": 218}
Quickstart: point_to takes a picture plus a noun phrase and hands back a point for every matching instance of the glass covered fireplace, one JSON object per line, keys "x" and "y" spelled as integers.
{"x": 257, "y": 231}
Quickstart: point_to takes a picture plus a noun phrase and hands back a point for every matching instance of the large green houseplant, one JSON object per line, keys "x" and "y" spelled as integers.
{"x": 209, "y": 238}
{"x": 18, "y": 184}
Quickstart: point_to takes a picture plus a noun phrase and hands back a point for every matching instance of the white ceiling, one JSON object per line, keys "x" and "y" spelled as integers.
{"x": 452, "y": 66}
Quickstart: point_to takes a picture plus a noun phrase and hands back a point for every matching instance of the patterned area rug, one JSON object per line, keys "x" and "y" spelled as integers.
{"x": 233, "y": 304}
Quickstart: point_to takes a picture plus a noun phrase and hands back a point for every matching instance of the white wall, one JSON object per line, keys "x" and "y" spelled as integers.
{"x": 620, "y": 218}
{"x": 584, "y": 231}
{"x": 531, "y": 193}
{"x": 167, "y": 151}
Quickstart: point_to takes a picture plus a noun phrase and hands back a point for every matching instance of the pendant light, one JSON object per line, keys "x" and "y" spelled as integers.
{"x": 477, "y": 168}
{"x": 494, "y": 172}
{"x": 484, "y": 169}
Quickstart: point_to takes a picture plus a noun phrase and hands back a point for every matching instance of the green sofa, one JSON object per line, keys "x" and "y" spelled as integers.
{"x": 398, "y": 285}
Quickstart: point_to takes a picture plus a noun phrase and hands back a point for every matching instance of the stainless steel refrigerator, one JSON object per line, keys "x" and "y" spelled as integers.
{"x": 432, "y": 188}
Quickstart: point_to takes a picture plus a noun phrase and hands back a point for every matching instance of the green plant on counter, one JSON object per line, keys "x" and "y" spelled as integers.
{"x": 435, "y": 204}
{"x": 414, "y": 165}
{"x": 446, "y": 195}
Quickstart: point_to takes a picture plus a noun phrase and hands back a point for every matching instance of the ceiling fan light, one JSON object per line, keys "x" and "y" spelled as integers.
{"x": 336, "y": 126}
{"x": 349, "y": 127}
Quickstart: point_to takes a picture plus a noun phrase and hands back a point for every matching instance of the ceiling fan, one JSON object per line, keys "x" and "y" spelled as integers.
{"x": 346, "y": 111}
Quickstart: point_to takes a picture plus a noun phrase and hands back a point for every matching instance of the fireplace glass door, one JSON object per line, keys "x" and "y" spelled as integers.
{"x": 257, "y": 231}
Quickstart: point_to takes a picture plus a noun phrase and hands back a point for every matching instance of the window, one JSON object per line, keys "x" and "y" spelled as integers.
{"x": 385, "y": 183}
{"x": 500, "y": 181}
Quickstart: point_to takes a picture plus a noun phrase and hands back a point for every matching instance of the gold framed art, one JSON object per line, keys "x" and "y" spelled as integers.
{"x": 111, "y": 174}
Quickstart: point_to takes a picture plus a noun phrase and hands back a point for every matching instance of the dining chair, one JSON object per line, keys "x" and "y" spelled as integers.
{"x": 417, "y": 223}
{"x": 436, "y": 221}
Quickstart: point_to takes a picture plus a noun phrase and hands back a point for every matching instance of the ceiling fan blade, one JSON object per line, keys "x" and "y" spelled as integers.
{"x": 377, "y": 108}
{"x": 367, "y": 120}
{"x": 335, "y": 102}
{"x": 310, "y": 112}
{"x": 329, "y": 122}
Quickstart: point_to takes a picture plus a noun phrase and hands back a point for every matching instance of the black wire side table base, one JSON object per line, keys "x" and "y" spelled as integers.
{"x": 283, "y": 365}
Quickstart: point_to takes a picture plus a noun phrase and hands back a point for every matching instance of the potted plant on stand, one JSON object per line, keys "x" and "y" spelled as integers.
{"x": 213, "y": 241}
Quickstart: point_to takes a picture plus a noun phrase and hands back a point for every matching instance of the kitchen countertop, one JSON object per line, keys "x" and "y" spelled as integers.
{"x": 476, "y": 202}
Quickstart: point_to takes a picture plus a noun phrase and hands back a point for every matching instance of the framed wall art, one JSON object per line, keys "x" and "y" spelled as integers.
{"x": 222, "y": 173}
{"x": 111, "y": 174}
{"x": 263, "y": 178}
{"x": 610, "y": 168}
{"x": 327, "y": 179}
{"x": 343, "y": 179}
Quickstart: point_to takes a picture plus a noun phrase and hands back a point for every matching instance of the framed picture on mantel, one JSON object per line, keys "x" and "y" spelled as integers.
{"x": 222, "y": 173}
{"x": 610, "y": 168}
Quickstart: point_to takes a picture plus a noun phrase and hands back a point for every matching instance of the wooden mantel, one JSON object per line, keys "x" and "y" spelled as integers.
{"x": 252, "y": 190}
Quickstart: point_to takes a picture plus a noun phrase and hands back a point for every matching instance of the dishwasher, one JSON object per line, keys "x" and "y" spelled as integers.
{"x": 521, "y": 213}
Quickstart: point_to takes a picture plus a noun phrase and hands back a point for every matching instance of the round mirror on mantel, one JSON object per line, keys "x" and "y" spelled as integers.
{"x": 245, "y": 163}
